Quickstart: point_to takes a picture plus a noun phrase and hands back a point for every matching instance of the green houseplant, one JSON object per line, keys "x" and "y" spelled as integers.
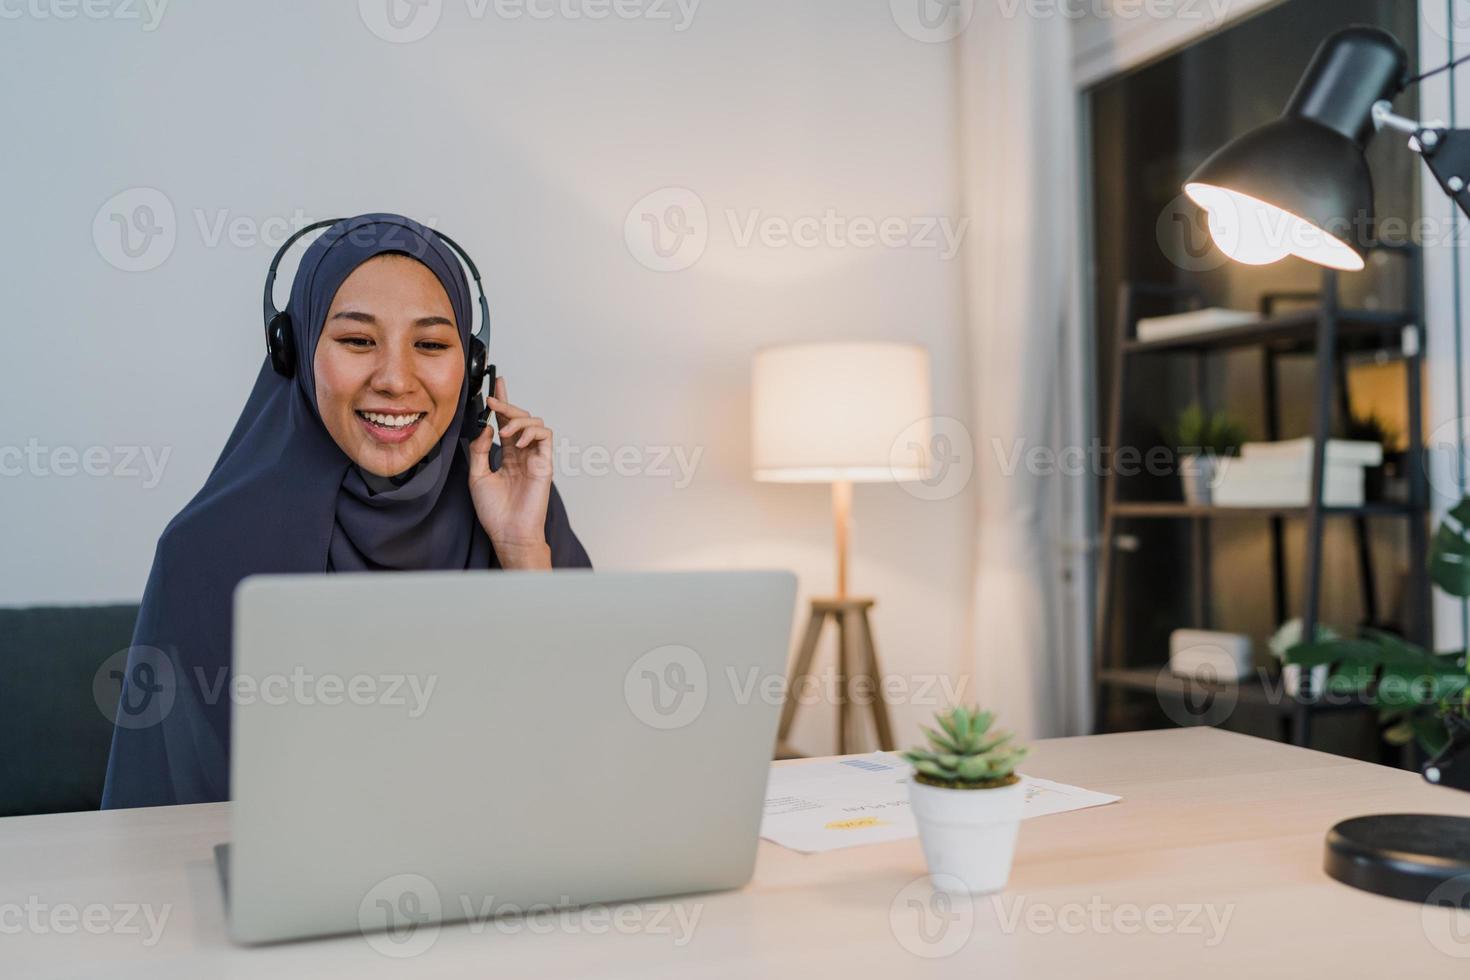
{"x": 1372, "y": 428}
{"x": 1421, "y": 696}
{"x": 1201, "y": 440}
{"x": 966, "y": 798}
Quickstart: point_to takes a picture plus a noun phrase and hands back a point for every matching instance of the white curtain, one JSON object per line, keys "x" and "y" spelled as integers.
{"x": 1019, "y": 180}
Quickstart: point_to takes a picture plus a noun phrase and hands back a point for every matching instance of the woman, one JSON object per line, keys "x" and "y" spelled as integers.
{"x": 366, "y": 458}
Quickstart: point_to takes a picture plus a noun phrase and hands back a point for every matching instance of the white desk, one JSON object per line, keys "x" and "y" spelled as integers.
{"x": 1210, "y": 822}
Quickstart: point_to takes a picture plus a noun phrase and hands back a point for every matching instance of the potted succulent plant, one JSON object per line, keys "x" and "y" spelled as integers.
{"x": 1201, "y": 441}
{"x": 966, "y": 799}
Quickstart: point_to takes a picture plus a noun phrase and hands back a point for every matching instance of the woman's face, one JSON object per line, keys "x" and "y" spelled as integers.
{"x": 389, "y": 364}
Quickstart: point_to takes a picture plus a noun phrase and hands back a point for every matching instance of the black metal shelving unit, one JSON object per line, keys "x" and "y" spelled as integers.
{"x": 1328, "y": 332}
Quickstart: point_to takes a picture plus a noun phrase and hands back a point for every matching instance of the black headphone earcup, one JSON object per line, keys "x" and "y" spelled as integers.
{"x": 478, "y": 357}
{"x": 280, "y": 340}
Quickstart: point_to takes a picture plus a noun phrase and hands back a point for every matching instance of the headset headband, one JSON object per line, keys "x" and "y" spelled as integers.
{"x": 270, "y": 276}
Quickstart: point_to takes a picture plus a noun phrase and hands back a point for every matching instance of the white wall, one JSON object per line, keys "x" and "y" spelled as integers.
{"x": 529, "y": 141}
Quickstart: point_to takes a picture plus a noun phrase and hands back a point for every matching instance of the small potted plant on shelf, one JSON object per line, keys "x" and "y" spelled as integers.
{"x": 1371, "y": 428}
{"x": 1290, "y": 636}
{"x": 966, "y": 798}
{"x": 1201, "y": 441}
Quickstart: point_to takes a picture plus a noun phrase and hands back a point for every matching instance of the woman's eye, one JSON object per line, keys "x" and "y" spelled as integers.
{"x": 433, "y": 345}
{"x": 358, "y": 342}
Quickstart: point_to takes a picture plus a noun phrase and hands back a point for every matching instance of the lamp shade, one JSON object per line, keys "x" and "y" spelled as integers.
{"x": 826, "y": 412}
{"x": 1301, "y": 185}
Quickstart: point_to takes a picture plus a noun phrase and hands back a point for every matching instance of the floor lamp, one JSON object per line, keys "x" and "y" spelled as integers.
{"x": 840, "y": 413}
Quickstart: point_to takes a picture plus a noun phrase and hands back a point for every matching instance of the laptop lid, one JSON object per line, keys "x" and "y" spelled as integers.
{"x": 449, "y": 745}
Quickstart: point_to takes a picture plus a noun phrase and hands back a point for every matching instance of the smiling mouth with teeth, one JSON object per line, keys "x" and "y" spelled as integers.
{"x": 389, "y": 426}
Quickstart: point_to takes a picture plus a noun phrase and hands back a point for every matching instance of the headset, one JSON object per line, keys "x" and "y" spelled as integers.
{"x": 280, "y": 341}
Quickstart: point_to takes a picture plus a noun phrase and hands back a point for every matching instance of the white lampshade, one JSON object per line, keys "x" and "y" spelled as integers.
{"x": 827, "y": 412}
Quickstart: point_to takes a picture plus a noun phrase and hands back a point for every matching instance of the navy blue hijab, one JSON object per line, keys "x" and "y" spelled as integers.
{"x": 282, "y": 498}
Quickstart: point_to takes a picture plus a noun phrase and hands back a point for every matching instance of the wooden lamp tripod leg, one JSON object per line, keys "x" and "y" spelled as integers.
{"x": 869, "y": 658}
{"x": 800, "y": 671}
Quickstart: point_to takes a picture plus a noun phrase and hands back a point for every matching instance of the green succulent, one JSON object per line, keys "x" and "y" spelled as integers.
{"x": 966, "y": 754}
{"x": 1218, "y": 434}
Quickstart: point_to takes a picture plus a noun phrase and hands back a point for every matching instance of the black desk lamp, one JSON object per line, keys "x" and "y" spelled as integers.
{"x": 1301, "y": 186}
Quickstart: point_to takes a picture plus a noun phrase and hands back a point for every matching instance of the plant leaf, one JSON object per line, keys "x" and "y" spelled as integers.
{"x": 940, "y": 743}
{"x": 974, "y": 767}
{"x": 947, "y": 722}
{"x": 1432, "y": 732}
{"x": 1370, "y": 651}
{"x": 1410, "y": 687}
{"x": 931, "y": 769}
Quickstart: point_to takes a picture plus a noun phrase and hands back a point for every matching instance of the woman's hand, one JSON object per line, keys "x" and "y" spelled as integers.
{"x": 511, "y": 501}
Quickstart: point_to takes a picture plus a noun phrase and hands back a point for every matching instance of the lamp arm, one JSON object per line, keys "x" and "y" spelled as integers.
{"x": 1446, "y": 151}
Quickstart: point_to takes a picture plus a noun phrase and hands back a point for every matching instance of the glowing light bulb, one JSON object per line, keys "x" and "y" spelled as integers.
{"x": 1242, "y": 227}
{"x": 1253, "y": 232}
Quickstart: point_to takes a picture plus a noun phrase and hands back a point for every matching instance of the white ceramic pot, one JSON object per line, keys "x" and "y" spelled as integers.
{"x": 968, "y": 835}
{"x": 1291, "y": 675}
{"x": 1197, "y": 473}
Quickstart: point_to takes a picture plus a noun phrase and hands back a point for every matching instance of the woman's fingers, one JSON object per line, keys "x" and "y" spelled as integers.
{"x": 480, "y": 452}
{"x": 530, "y": 430}
{"x": 530, "y": 436}
{"x": 497, "y": 400}
{"x": 516, "y": 425}
{"x": 539, "y": 433}
{"x": 505, "y": 410}
{"x": 519, "y": 429}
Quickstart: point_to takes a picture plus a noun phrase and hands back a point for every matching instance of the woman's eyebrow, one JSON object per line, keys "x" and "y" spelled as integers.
{"x": 362, "y": 317}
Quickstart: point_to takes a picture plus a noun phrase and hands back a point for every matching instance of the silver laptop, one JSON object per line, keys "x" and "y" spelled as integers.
{"x": 431, "y": 747}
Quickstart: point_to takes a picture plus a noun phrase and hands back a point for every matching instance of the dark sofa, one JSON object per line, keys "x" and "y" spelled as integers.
{"x": 58, "y": 685}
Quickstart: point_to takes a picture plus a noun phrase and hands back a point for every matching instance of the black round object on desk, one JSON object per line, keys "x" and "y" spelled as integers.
{"x": 1403, "y": 855}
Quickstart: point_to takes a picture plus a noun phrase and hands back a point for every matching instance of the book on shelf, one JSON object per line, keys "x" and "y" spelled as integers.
{"x": 1239, "y": 485}
{"x": 1194, "y": 322}
{"x": 1356, "y": 452}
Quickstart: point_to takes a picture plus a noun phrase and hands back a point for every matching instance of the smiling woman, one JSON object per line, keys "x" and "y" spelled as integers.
{"x": 365, "y": 455}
